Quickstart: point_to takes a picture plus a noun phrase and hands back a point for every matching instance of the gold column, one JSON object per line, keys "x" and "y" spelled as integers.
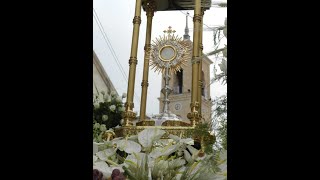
{"x": 200, "y": 65}
{"x": 129, "y": 115}
{"x": 194, "y": 114}
{"x": 150, "y": 7}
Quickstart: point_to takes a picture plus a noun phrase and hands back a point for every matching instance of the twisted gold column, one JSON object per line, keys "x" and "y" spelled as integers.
{"x": 150, "y": 8}
{"x": 129, "y": 115}
{"x": 200, "y": 65}
{"x": 194, "y": 114}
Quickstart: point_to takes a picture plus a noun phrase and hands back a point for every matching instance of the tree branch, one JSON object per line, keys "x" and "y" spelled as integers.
{"x": 215, "y": 51}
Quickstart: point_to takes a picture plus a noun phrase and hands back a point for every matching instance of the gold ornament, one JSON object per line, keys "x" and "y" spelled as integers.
{"x": 169, "y": 51}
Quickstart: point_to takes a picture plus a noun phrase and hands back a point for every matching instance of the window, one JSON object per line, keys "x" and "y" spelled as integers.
{"x": 203, "y": 84}
{"x": 180, "y": 81}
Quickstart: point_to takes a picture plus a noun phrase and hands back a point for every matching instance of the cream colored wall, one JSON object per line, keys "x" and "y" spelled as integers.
{"x": 206, "y": 70}
{"x": 98, "y": 82}
{"x": 101, "y": 81}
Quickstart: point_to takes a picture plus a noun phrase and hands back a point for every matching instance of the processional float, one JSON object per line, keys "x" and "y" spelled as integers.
{"x": 167, "y": 54}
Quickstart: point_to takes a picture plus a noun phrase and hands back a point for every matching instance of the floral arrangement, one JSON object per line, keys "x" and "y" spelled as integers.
{"x": 107, "y": 112}
{"x": 146, "y": 156}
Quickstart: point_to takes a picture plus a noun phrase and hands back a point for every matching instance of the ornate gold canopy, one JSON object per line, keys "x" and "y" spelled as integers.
{"x": 173, "y": 5}
{"x": 167, "y": 52}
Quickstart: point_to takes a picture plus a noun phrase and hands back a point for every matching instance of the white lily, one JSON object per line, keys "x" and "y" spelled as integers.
{"x": 148, "y": 136}
{"x": 128, "y": 146}
{"x": 188, "y": 141}
{"x": 105, "y": 154}
{"x": 134, "y": 158}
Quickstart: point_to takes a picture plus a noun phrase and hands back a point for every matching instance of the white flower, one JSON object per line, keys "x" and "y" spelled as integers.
{"x": 211, "y": 132}
{"x": 99, "y": 138}
{"x": 113, "y": 93}
{"x": 96, "y": 126}
{"x": 112, "y": 107}
{"x": 128, "y": 146}
{"x": 121, "y": 109}
{"x": 148, "y": 136}
{"x": 104, "y": 117}
{"x": 103, "y": 128}
{"x": 119, "y": 99}
{"x": 105, "y": 154}
{"x": 124, "y": 95}
{"x": 96, "y": 105}
{"x": 106, "y": 97}
{"x": 103, "y": 93}
{"x": 100, "y": 98}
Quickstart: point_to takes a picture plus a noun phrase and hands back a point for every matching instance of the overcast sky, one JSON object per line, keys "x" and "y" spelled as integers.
{"x": 116, "y": 19}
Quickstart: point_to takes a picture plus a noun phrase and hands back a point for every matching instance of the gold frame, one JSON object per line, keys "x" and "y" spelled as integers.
{"x": 174, "y": 56}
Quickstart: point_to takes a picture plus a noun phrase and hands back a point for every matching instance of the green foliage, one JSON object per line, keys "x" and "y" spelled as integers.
{"x": 202, "y": 130}
{"x": 220, "y": 121}
{"x": 220, "y": 104}
{"x": 98, "y": 131}
{"x": 212, "y": 165}
{"x": 107, "y": 109}
{"x": 221, "y": 114}
{"x": 138, "y": 170}
{"x": 200, "y": 170}
{"x": 223, "y": 134}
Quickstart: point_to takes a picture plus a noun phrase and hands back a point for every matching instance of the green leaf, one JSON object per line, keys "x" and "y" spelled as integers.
{"x": 176, "y": 163}
{"x": 188, "y": 157}
{"x": 193, "y": 150}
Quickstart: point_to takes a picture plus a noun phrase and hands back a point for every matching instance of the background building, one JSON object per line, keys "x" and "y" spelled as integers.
{"x": 180, "y": 98}
{"x": 101, "y": 80}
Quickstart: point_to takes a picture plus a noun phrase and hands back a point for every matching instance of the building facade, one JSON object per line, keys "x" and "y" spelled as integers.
{"x": 101, "y": 80}
{"x": 181, "y": 83}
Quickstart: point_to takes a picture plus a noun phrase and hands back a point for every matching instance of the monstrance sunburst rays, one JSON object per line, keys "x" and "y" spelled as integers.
{"x": 169, "y": 50}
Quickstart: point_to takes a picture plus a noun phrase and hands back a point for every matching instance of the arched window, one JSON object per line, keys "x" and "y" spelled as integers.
{"x": 180, "y": 81}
